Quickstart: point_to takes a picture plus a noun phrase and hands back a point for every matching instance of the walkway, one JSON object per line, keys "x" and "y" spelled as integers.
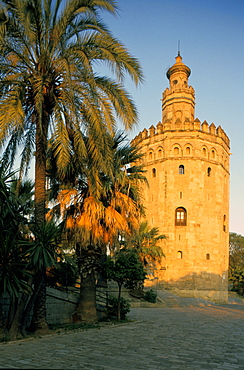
{"x": 196, "y": 337}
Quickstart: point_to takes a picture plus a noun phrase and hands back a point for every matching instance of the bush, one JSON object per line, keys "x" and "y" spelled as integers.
{"x": 150, "y": 296}
{"x": 113, "y": 307}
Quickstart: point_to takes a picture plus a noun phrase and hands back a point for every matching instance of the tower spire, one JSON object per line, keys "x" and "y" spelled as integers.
{"x": 178, "y": 48}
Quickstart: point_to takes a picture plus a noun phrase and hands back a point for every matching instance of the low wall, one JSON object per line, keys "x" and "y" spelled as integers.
{"x": 60, "y": 306}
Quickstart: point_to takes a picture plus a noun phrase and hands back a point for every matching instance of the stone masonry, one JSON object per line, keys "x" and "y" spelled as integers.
{"x": 187, "y": 165}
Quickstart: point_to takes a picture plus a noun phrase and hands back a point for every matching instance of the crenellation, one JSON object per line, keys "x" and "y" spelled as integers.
{"x": 192, "y": 127}
{"x": 144, "y": 134}
{"x": 197, "y": 124}
{"x": 212, "y": 129}
{"x": 152, "y": 131}
{"x": 205, "y": 127}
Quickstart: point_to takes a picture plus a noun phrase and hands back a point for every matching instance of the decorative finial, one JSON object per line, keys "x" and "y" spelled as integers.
{"x": 178, "y": 48}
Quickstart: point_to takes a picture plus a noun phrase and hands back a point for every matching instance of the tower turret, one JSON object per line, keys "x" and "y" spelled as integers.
{"x": 179, "y": 99}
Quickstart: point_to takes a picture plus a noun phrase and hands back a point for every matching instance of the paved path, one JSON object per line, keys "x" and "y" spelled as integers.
{"x": 205, "y": 337}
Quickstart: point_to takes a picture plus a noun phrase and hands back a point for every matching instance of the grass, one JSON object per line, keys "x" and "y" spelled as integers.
{"x": 74, "y": 326}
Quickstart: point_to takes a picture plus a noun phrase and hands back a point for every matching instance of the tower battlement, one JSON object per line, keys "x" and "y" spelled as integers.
{"x": 216, "y": 133}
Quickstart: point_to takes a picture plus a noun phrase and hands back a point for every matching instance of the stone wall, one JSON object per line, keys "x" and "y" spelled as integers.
{"x": 60, "y": 306}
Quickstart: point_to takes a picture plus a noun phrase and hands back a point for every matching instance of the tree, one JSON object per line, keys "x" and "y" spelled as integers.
{"x": 14, "y": 275}
{"x": 145, "y": 242}
{"x": 126, "y": 269}
{"x": 94, "y": 223}
{"x": 236, "y": 262}
{"x": 12, "y": 270}
{"x": 24, "y": 250}
{"x": 49, "y": 86}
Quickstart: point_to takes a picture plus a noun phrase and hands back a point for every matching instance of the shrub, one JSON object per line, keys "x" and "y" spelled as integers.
{"x": 150, "y": 296}
{"x": 113, "y": 307}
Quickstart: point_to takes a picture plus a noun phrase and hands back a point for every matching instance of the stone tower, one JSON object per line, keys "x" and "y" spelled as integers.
{"x": 187, "y": 165}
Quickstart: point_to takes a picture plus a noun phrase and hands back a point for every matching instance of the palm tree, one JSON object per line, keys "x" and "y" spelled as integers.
{"x": 94, "y": 223}
{"x": 21, "y": 255}
{"x": 49, "y": 87}
{"x": 145, "y": 241}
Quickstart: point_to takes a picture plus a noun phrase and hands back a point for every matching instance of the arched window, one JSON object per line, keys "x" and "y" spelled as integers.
{"x": 176, "y": 150}
{"x": 213, "y": 154}
{"x": 150, "y": 156}
{"x": 204, "y": 152}
{"x": 209, "y": 171}
{"x": 159, "y": 153}
{"x": 188, "y": 150}
{"x": 154, "y": 172}
{"x": 181, "y": 169}
{"x": 179, "y": 254}
{"x": 180, "y": 216}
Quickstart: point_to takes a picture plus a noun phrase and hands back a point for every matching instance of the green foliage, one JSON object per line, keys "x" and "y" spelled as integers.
{"x": 236, "y": 263}
{"x": 145, "y": 242}
{"x": 113, "y": 307}
{"x": 126, "y": 269}
{"x": 41, "y": 251}
{"x": 150, "y": 296}
{"x": 13, "y": 272}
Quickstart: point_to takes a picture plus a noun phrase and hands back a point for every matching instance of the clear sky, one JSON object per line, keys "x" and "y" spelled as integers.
{"x": 211, "y": 34}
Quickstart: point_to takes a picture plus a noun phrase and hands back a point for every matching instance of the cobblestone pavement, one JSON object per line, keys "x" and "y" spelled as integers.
{"x": 204, "y": 337}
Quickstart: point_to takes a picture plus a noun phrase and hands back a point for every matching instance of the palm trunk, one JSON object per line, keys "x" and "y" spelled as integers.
{"x": 40, "y": 174}
{"x": 38, "y": 322}
{"x": 39, "y": 316}
{"x": 86, "y": 310}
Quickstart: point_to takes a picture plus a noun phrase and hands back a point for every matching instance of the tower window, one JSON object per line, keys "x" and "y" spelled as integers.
{"x": 180, "y": 216}
{"x": 160, "y": 153}
{"x": 188, "y": 150}
{"x": 154, "y": 172}
{"x": 204, "y": 152}
{"x": 180, "y": 194}
{"x": 176, "y": 150}
{"x": 150, "y": 156}
{"x": 213, "y": 154}
{"x": 175, "y": 82}
{"x": 209, "y": 171}
{"x": 207, "y": 256}
{"x": 181, "y": 169}
{"x": 179, "y": 255}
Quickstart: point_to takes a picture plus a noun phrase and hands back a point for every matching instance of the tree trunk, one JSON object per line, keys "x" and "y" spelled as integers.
{"x": 39, "y": 313}
{"x": 40, "y": 174}
{"x": 119, "y": 299}
{"x": 15, "y": 330}
{"x": 30, "y": 304}
{"x": 86, "y": 310}
{"x": 38, "y": 322}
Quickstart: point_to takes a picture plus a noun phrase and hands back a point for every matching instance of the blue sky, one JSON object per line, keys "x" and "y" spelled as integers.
{"x": 211, "y": 34}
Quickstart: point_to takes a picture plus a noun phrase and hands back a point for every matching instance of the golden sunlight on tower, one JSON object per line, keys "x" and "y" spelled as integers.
{"x": 187, "y": 165}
